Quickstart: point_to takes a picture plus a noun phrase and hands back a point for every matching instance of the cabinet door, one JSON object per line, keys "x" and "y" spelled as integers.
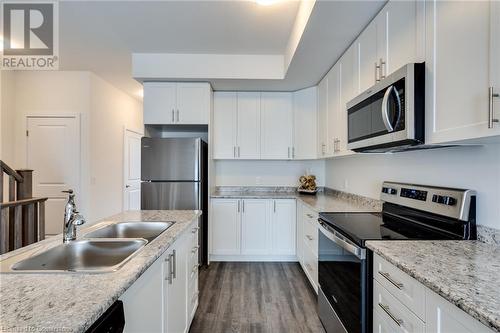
{"x": 347, "y": 92}
{"x": 193, "y": 103}
{"x": 225, "y": 226}
{"x": 225, "y": 125}
{"x": 333, "y": 109}
{"x": 304, "y": 124}
{"x": 276, "y": 125}
{"x": 283, "y": 227}
{"x": 495, "y": 60}
{"x": 367, "y": 57}
{"x": 248, "y": 134}
{"x": 145, "y": 293}
{"x": 159, "y": 103}
{"x": 457, "y": 71}
{"x": 405, "y": 34}
{"x": 322, "y": 114}
{"x": 176, "y": 287}
{"x": 255, "y": 226}
{"x": 442, "y": 316}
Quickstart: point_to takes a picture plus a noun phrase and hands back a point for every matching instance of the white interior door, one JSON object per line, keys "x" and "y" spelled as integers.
{"x": 132, "y": 171}
{"x": 53, "y": 152}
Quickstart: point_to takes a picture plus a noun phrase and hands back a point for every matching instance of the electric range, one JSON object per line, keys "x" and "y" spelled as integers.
{"x": 410, "y": 212}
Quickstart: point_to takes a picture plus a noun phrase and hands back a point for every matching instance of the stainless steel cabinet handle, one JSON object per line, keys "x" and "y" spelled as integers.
{"x": 173, "y": 116}
{"x": 195, "y": 249}
{"x": 177, "y": 115}
{"x": 309, "y": 237}
{"x": 195, "y": 229}
{"x": 168, "y": 260}
{"x": 386, "y": 275}
{"x": 382, "y": 69}
{"x": 323, "y": 148}
{"x": 243, "y": 206}
{"x": 309, "y": 216}
{"x": 274, "y": 203}
{"x": 239, "y": 155}
{"x": 174, "y": 264}
{"x": 491, "y": 96}
{"x": 238, "y": 206}
{"x": 389, "y": 313}
{"x": 288, "y": 152}
{"x": 377, "y": 68}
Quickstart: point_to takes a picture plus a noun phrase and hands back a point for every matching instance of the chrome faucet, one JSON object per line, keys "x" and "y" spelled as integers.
{"x": 71, "y": 218}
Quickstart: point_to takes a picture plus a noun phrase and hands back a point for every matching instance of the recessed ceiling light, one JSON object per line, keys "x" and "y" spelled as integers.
{"x": 266, "y": 2}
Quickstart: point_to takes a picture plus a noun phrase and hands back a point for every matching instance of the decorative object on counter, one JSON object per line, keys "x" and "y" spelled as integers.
{"x": 307, "y": 184}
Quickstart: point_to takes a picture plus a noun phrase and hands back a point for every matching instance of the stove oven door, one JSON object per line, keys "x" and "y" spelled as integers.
{"x": 342, "y": 275}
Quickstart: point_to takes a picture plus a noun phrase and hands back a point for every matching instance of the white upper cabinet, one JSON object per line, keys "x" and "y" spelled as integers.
{"x": 332, "y": 128}
{"x": 249, "y": 120}
{"x": 168, "y": 103}
{"x": 458, "y": 73}
{"x": 193, "y": 103}
{"x": 322, "y": 116}
{"x": 236, "y": 125}
{"x": 159, "y": 103}
{"x": 368, "y": 72}
{"x": 283, "y": 226}
{"x": 347, "y": 92}
{"x": 276, "y": 125}
{"x": 495, "y": 64}
{"x": 255, "y": 227}
{"x": 225, "y": 125}
{"x": 304, "y": 123}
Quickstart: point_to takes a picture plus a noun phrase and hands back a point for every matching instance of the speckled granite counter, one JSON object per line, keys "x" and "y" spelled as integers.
{"x": 71, "y": 302}
{"x": 325, "y": 201}
{"x": 466, "y": 273}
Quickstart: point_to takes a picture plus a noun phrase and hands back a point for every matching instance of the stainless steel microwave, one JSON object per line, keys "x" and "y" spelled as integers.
{"x": 389, "y": 116}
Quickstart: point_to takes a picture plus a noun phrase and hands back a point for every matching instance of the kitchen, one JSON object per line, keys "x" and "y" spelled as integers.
{"x": 275, "y": 166}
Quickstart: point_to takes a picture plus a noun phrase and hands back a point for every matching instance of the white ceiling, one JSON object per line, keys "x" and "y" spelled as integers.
{"x": 100, "y": 36}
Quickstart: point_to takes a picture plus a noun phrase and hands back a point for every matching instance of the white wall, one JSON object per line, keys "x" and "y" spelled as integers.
{"x": 111, "y": 111}
{"x": 266, "y": 173}
{"x": 476, "y": 168}
{"x": 104, "y": 112}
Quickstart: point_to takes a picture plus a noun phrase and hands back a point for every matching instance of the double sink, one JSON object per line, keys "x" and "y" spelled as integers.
{"x": 105, "y": 249}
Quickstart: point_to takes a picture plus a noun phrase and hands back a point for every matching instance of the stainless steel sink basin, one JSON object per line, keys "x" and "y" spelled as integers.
{"x": 80, "y": 256}
{"x": 146, "y": 230}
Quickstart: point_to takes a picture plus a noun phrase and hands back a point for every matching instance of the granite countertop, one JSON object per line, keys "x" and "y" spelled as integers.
{"x": 72, "y": 302}
{"x": 466, "y": 273}
{"x": 327, "y": 201}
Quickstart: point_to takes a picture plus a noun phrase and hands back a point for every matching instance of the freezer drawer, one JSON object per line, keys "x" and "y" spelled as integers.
{"x": 171, "y": 159}
{"x": 171, "y": 195}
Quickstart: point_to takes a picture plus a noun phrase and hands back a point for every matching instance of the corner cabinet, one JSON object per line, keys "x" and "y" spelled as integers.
{"x": 462, "y": 51}
{"x": 177, "y": 103}
{"x": 402, "y": 304}
{"x": 165, "y": 297}
{"x": 253, "y": 229}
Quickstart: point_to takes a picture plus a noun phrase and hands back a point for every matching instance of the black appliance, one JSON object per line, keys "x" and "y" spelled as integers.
{"x": 112, "y": 321}
{"x": 390, "y": 116}
{"x": 345, "y": 264}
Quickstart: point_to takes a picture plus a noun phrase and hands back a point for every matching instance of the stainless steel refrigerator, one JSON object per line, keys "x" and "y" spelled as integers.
{"x": 174, "y": 176}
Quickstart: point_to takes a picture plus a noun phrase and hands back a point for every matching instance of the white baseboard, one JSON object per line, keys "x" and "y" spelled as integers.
{"x": 253, "y": 258}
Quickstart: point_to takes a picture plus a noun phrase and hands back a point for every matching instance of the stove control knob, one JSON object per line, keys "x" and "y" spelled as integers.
{"x": 389, "y": 190}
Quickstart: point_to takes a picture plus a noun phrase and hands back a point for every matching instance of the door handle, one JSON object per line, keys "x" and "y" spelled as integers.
{"x": 491, "y": 96}
{"x": 243, "y": 206}
{"x": 168, "y": 260}
{"x": 173, "y": 116}
{"x": 177, "y": 115}
{"x": 377, "y": 68}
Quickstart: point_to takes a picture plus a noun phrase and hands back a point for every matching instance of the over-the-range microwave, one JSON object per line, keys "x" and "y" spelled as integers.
{"x": 390, "y": 116}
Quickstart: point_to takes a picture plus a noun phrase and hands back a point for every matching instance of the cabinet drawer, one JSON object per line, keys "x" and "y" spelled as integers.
{"x": 393, "y": 313}
{"x": 310, "y": 219}
{"x": 405, "y": 288}
{"x": 310, "y": 266}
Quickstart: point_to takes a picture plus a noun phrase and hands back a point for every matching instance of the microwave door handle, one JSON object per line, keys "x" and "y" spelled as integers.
{"x": 351, "y": 248}
{"x": 385, "y": 110}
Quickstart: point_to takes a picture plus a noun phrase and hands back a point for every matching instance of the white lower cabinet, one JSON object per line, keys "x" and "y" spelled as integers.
{"x": 165, "y": 297}
{"x": 307, "y": 243}
{"x": 253, "y": 229}
{"x": 402, "y": 304}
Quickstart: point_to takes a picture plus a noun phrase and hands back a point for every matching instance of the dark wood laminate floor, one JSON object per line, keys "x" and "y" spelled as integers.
{"x": 255, "y": 297}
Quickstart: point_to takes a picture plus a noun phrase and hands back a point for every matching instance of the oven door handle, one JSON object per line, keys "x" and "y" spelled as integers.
{"x": 341, "y": 241}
